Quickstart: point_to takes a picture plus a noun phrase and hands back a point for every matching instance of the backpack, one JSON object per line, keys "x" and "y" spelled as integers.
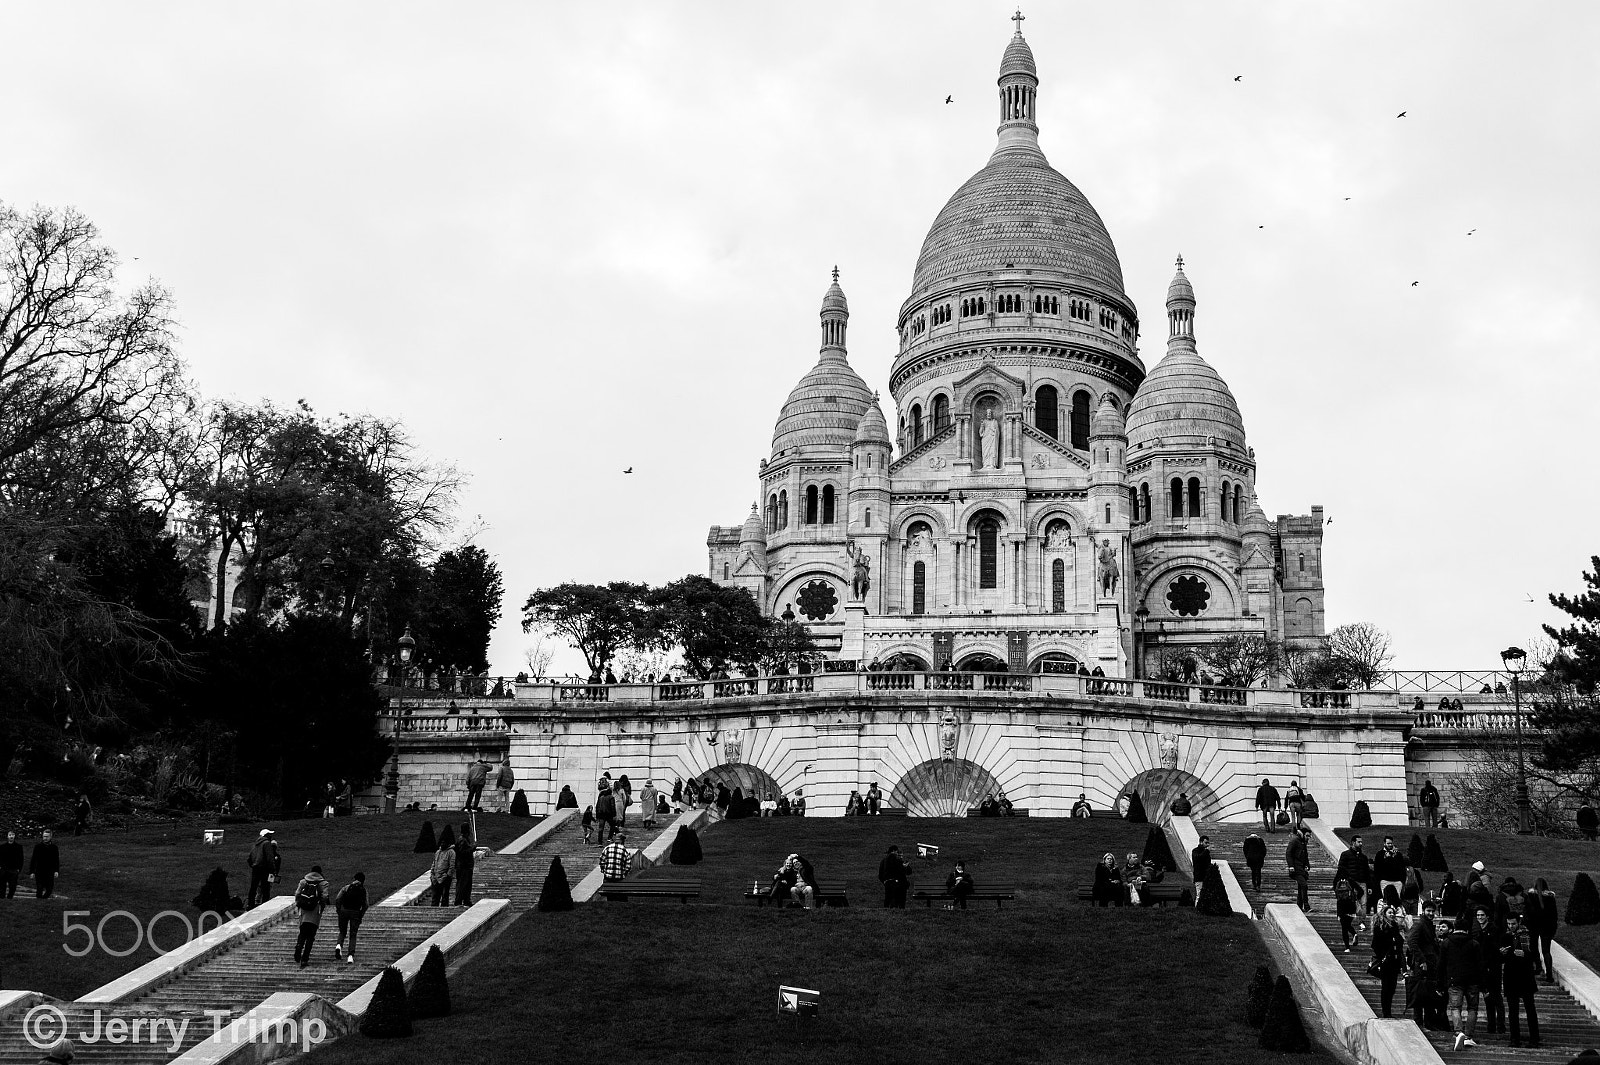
{"x": 1516, "y": 905}
{"x": 307, "y": 895}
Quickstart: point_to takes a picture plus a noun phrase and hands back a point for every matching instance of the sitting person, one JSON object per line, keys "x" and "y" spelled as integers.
{"x": 798, "y": 807}
{"x": 804, "y": 890}
{"x": 769, "y": 806}
{"x": 959, "y": 885}
{"x": 1181, "y": 806}
{"x": 1132, "y": 873}
{"x": 1081, "y": 807}
{"x": 1107, "y": 882}
{"x": 987, "y": 807}
{"x": 1004, "y": 803}
{"x": 783, "y": 806}
{"x": 853, "y": 807}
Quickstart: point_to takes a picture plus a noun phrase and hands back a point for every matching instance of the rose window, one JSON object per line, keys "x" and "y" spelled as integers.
{"x": 1188, "y": 596}
{"x": 817, "y": 600}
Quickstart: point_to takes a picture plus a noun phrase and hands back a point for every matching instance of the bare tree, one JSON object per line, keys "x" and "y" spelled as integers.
{"x": 1363, "y": 649}
{"x": 1485, "y": 791}
{"x": 1242, "y": 659}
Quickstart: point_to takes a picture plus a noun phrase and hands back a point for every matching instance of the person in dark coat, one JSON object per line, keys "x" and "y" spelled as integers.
{"x": 724, "y": 798}
{"x": 1200, "y": 859}
{"x": 1108, "y": 887}
{"x": 1390, "y": 867}
{"x": 1452, "y": 896}
{"x": 44, "y": 865}
{"x": 214, "y": 897}
{"x": 605, "y": 817}
{"x": 1389, "y": 951}
{"x": 265, "y": 861}
{"x": 1298, "y": 859}
{"x": 80, "y": 815}
{"x": 10, "y": 866}
{"x": 350, "y": 906}
{"x": 1428, "y": 799}
{"x": 959, "y": 885}
{"x": 466, "y": 858}
{"x": 1588, "y": 822}
{"x": 1461, "y": 972}
{"x": 1422, "y": 972}
{"x": 1487, "y": 932}
{"x": 1544, "y": 915}
{"x": 1255, "y": 856}
{"x": 566, "y": 800}
{"x": 895, "y": 876}
{"x": 1518, "y": 955}
{"x": 1355, "y": 868}
{"x": 1267, "y": 802}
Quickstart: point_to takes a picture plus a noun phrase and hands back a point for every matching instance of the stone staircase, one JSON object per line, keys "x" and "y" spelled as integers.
{"x": 520, "y": 877}
{"x": 16, "y": 1050}
{"x": 1564, "y": 1026}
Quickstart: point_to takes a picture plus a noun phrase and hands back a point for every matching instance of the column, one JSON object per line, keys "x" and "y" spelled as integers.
{"x": 835, "y": 770}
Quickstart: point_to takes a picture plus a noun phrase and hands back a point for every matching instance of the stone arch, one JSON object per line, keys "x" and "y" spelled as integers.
{"x": 743, "y": 776}
{"x": 1158, "y": 787}
{"x": 904, "y": 519}
{"x": 938, "y": 788}
{"x": 1040, "y": 520}
{"x": 921, "y": 650}
{"x": 1061, "y": 660}
{"x": 1153, "y": 580}
{"x": 964, "y": 649}
{"x": 981, "y": 661}
{"x": 813, "y": 570}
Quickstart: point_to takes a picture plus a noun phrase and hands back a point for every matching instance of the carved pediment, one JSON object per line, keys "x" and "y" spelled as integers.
{"x": 991, "y": 375}
{"x": 1068, "y": 457}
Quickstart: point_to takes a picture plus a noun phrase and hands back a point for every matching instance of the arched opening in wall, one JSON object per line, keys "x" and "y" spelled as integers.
{"x": 1158, "y": 787}
{"x": 1238, "y": 490}
{"x": 981, "y": 662}
{"x": 750, "y": 780}
{"x": 1046, "y": 413}
{"x": 1302, "y": 621}
{"x": 772, "y": 513}
{"x": 1194, "y": 497}
{"x": 1058, "y": 586}
{"x": 1055, "y": 662}
{"x": 916, "y": 424}
{"x": 827, "y": 504}
{"x": 941, "y": 413}
{"x": 811, "y": 504}
{"x": 1144, "y": 501}
{"x": 988, "y": 553}
{"x": 919, "y": 588}
{"x": 1080, "y": 420}
{"x": 783, "y": 509}
{"x": 1222, "y": 511}
{"x": 943, "y": 789}
{"x": 724, "y": 571}
{"x": 1175, "y": 503}
{"x": 906, "y": 662}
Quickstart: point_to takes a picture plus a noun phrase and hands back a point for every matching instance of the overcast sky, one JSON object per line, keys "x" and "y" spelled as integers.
{"x": 560, "y": 240}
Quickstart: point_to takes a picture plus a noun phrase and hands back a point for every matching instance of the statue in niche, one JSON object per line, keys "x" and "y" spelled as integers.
{"x": 1058, "y": 537}
{"x": 733, "y": 747}
{"x": 860, "y": 571}
{"x": 1168, "y": 750}
{"x": 949, "y": 727}
{"x": 921, "y": 540}
{"x": 988, "y": 441}
{"x": 1109, "y": 571}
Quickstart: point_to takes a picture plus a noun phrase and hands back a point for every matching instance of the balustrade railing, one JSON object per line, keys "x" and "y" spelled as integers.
{"x": 1176, "y": 693}
{"x": 950, "y": 681}
{"x": 1325, "y": 700}
{"x": 672, "y": 693}
{"x": 1223, "y": 696}
{"x": 1473, "y": 720}
{"x": 890, "y": 682}
{"x": 724, "y": 689}
{"x": 585, "y": 693}
{"x": 792, "y": 685}
{"x": 440, "y": 723}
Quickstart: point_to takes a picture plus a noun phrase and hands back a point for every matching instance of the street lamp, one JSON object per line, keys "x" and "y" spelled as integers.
{"x": 1140, "y": 616}
{"x": 391, "y": 782}
{"x": 1516, "y": 661}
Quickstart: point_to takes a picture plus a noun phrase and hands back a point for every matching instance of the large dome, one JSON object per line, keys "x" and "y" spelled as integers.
{"x": 824, "y": 408}
{"x": 1018, "y": 213}
{"x": 1184, "y": 399}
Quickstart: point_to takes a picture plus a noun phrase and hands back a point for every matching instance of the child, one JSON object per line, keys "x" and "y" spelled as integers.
{"x": 588, "y": 822}
{"x": 1345, "y": 906}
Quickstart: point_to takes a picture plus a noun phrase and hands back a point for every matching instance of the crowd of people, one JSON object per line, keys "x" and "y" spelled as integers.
{"x": 1124, "y": 884}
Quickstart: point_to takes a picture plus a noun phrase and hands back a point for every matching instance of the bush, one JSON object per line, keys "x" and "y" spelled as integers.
{"x": 1415, "y": 851}
{"x": 1361, "y": 816}
{"x": 556, "y": 895}
{"x": 685, "y": 847}
{"x": 430, "y": 991}
{"x": 426, "y": 844}
{"x": 519, "y": 804}
{"x": 1136, "y": 812}
{"x": 1282, "y": 1029}
{"x": 1158, "y": 850}
{"x": 1257, "y": 998}
{"x": 1213, "y": 896}
{"x": 1583, "y": 905}
{"x": 447, "y": 838}
{"x": 1433, "y": 857}
{"x": 387, "y": 1016}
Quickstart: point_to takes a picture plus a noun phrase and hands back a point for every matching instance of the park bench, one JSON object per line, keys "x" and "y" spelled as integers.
{"x": 996, "y": 893}
{"x": 1016, "y": 811}
{"x": 829, "y": 893}
{"x": 623, "y": 890}
{"x": 1162, "y": 894}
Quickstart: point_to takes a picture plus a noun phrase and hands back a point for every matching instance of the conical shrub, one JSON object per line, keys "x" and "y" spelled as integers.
{"x": 1415, "y": 851}
{"x": 1136, "y": 812}
{"x": 519, "y": 804}
{"x": 1433, "y": 857}
{"x": 1583, "y": 905}
{"x": 1213, "y": 896}
{"x": 447, "y": 838}
{"x": 1158, "y": 850}
{"x": 387, "y": 1016}
{"x": 1257, "y": 997}
{"x": 556, "y": 893}
{"x": 1282, "y": 1030}
{"x": 685, "y": 847}
{"x": 430, "y": 991}
{"x": 1361, "y": 816}
{"x": 426, "y": 844}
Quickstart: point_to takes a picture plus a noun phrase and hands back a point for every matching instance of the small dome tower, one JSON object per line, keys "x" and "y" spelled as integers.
{"x": 1107, "y": 443}
{"x": 869, "y": 487}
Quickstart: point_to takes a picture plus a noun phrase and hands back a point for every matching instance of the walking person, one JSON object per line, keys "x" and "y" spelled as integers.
{"x": 1293, "y": 799}
{"x": 1490, "y": 941}
{"x": 10, "y": 866}
{"x": 895, "y": 876}
{"x": 1267, "y": 802}
{"x": 1255, "y": 856}
{"x": 265, "y": 861}
{"x": 505, "y": 782}
{"x": 80, "y": 814}
{"x": 587, "y": 822}
{"x": 1388, "y": 951}
{"x": 1428, "y": 800}
{"x": 1461, "y": 973}
{"x": 647, "y": 804}
{"x": 442, "y": 872}
{"x": 1389, "y": 868}
{"x": 1298, "y": 860}
{"x": 1200, "y": 859}
{"x": 1543, "y": 915}
{"x": 1354, "y": 867}
{"x": 477, "y": 777}
{"x": 1344, "y": 905}
{"x": 614, "y": 858}
{"x": 44, "y": 865}
{"x": 309, "y": 898}
{"x": 350, "y": 907}
{"x": 605, "y": 817}
{"x": 1422, "y": 970}
{"x": 466, "y": 858}
{"x": 1518, "y": 956}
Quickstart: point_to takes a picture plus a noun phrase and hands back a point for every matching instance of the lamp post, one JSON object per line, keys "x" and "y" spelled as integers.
{"x": 1140, "y": 616}
{"x": 391, "y": 782}
{"x": 1516, "y": 660}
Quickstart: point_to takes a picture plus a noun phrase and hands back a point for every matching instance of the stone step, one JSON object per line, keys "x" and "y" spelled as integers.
{"x": 16, "y": 1050}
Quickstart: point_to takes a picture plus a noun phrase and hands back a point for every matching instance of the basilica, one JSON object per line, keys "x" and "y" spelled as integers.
{"x": 1040, "y": 501}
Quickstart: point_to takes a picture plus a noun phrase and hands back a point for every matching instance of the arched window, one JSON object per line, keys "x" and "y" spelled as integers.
{"x": 1175, "y": 504}
{"x": 1058, "y": 586}
{"x": 724, "y": 571}
{"x": 1238, "y": 490}
{"x": 919, "y": 588}
{"x": 811, "y": 505}
{"x": 941, "y": 413}
{"x": 1222, "y": 511}
{"x": 868, "y": 521}
{"x": 1080, "y": 420}
{"x": 1045, "y": 411}
{"x": 1302, "y": 563}
{"x": 1144, "y": 501}
{"x": 772, "y": 513}
{"x": 783, "y": 509}
{"x": 1194, "y": 498}
{"x": 1108, "y": 513}
{"x": 988, "y": 553}
{"x": 1133, "y": 505}
{"x": 827, "y": 504}
{"x": 916, "y": 424}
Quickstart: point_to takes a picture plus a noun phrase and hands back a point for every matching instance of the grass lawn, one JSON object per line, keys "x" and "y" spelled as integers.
{"x": 147, "y": 871}
{"x": 1046, "y": 979}
{"x": 1506, "y": 854}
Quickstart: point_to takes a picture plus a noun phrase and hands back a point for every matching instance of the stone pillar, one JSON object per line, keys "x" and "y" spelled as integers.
{"x": 1060, "y": 770}
{"x": 836, "y": 769}
{"x": 853, "y": 644}
{"x": 1380, "y": 772}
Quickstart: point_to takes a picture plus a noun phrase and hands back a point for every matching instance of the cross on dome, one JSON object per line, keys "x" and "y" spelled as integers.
{"x": 836, "y": 273}
{"x": 1018, "y": 19}
{"x": 1180, "y": 260}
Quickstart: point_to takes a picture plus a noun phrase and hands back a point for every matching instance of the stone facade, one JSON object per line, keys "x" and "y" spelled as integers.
{"x": 1040, "y": 490}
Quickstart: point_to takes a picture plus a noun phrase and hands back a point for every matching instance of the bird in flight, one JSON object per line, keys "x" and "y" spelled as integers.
{"x": 949, "y": 99}
{"x": 1238, "y": 77}
{"x": 1261, "y": 227}
{"x": 1402, "y": 114}
{"x": 1471, "y": 231}
{"x": 1347, "y": 197}
{"x": 628, "y": 470}
{"x": 1414, "y": 284}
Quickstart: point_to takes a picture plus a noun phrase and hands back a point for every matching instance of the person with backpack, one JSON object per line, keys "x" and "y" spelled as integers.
{"x": 442, "y": 872}
{"x": 1511, "y": 902}
{"x": 1344, "y": 905}
{"x": 1461, "y": 972}
{"x": 605, "y": 816}
{"x": 1355, "y": 868}
{"x": 1267, "y": 802}
{"x": 1428, "y": 799}
{"x": 505, "y": 781}
{"x": 265, "y": 861}
{"x": 350, "y": 906}
{"x": 1293, "y": 799}
{"x": 309, "y": 899}
{"x": 477, "y": 777}
{"x": 466, "y": 857}
{"x": 1255, "y": 856}
{"x": 587, "y": 822}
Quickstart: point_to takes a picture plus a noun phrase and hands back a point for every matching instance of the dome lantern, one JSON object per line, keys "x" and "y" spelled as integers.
{"x": 835, "y": 315}
{"x": 826, "y": 406}
{"x": 1180, "y": 310}
{"x": 1019, "y": 94}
